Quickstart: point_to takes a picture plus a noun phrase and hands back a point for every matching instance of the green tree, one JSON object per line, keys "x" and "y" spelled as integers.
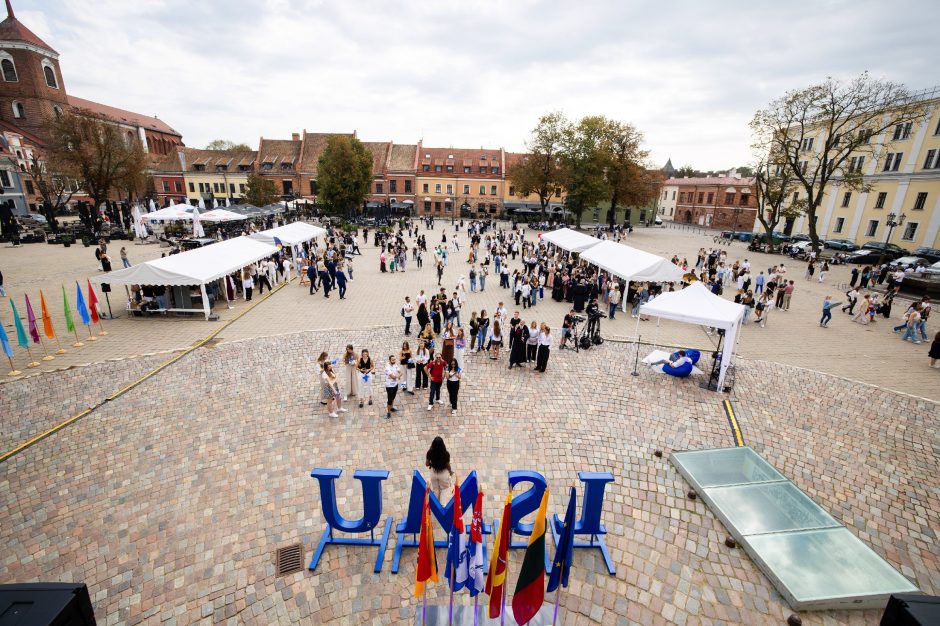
{"x": 97, "y": 152}
{"x": 55, "y": 185}
{"x": 629, "y": 183}
{"x": 820, "y": 131}
{"x": 539, "y": 172}
{"x": 260, "y": 191}
{"x": 746, "y": 171}
{"x": 584, "y": 160}
{"x": 225, "y": 144}
{"x": 685, "y": 171}
{"x": 344, "y": 174}
{"x": 775, "y": 182}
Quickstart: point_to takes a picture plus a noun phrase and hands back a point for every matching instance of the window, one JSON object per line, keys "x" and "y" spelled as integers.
{"x": 840, "y": 222}
{"x": 450, "y": 168}
{"x": 557, "y": 192}
{"x": 796, "y": 197}
{"x": 378, "y": 188}
{"x": 166, "y": 187}
{"x": 846, "y": 199}
{"x": 427, "y": 205}
{"x": 437, "y": 168}
{"x": 425, "y": 168}
{"x": 835, "y": 140}
{"x": 920, "y": 201}
{"x": 711, "y": 197}
{"x": 9, "y": 71}
{"x": 481, "y": 206}
{"x": 29, "y": 186}
{"x": 199, "y": 168}
{"x": 50, "y": 75}
{"x": 483, "y": 157}
{"x": 701, "y": 197}
{"x": 466, "y": 190}
{"x": 909, "y": 231}
{"x": 466, "y": 169}
{"x": 58, "y": 113}
{"x": 902, "y": 131}
{"x": 482, "y": 190}
{"x": 450, "y": 189}
{"x": 437, "y": 206}
{"x": 597, "y": 213}
{"x": 221, "y": 168}
{"x": 494, "y": 170}
{"x": 673, "y": 195}
{"x": 393, "y": 186}
{"x": 5, "y": 179}
{"x": 218, "y": 187}
{"x": 178, "y": 186}
{"x": 492, "y": 190}
{"x": 424, "y": 188}
{"x": 192, "y": 188}
{"x": 931, "y": 162}
{"x": 872, "y": 228}
{"x": 407, "y": 186}
{"x": 313, "y": 188}
{"x": 288, "y": 187}
{"x": 231, "y": 188}
{"x": 512, "y": 190}
{"x": 803, "y": 165}
{"x": 202, "y": 187}
{"x": 729, "y": 198}
{"x": 855, "y": 164}
{"x": 427, "y": 155}
{"x": 745, "y": 198}
{"x": 450, "y": 156}
{"x": 448, "y": 206}
{"x": 437, "y": 188}
{"x": 865, "y": 135}
{"x": 893, "y": 161}
{"x": 241, "y": 187}
{"x": 483, "y": 169}
{"x": 244, "y": 168}
{"x": 808, "y": 144}
{"x": 18, "y": 111}
{"x": 880, "y": 202}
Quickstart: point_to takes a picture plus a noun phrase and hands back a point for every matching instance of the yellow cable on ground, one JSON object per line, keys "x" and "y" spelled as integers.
{"x": 733, "y": 421}
{"x": 149, "y": 374}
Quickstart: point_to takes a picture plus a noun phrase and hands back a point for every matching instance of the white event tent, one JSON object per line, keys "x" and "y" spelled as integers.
{"x": 195, "y": 267}
{"x": 570, "y": 240}
{"x": 222, "y": 215}
{"x": 170, "y": 213}
{"x": 696, "y": 304}
{"x": 292, "y": 235}
{"x": 631, "y": 264}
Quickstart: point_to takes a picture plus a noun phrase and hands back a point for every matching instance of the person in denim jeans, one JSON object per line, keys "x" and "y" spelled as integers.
{"x": 924, "y": 314}
{"x": 913, "y": 323}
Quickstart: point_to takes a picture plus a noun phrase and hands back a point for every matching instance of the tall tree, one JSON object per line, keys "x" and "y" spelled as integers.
{"x": 225, "y": 144}
{"x": 820, "y": 132}
{"x": 98, "y": 152}
{"x": 260, "y": 191}
{"x": 629, "y": 183}
{"x": 775, "y": 182}
{"x": 584, "y": 160}
{"x": 539, "y": 172}
{"x": 344, "y": 174}
{"x": 54, "y": 185}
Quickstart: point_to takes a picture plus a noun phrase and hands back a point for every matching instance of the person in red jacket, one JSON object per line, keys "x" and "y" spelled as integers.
{"x": 435, "y": 371}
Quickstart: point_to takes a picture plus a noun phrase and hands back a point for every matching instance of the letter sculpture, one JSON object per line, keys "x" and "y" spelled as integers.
{"x": 372, "y": 511}
{"x": 590, "y": 522}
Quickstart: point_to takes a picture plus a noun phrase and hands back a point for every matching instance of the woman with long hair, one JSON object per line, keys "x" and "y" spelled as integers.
{"x": 495, "y": 340}
{"x": 460, "y": 346}
{"x": 474, "y": 328}
{"x": 532, "y": 343}
{"x": 453, "y": 384}
{"x": 330, "y": 385}
{"x": 427, "y": 336}
{"x": 350, "y": 360}
{"x": 407, "y": 362}
{"x": 545, "y": 346}
{"x": 437, "y": 460}
{"x": 421, "y": 358}
{"x": 484, "y": 327}
{"x": 366, "y": 370}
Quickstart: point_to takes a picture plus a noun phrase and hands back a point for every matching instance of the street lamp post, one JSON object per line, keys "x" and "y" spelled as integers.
{"x": 893, "y": 221}
{"x": 734, "y": 224}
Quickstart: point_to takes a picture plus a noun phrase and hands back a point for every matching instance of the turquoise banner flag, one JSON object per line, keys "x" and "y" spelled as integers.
{"x": 7, "y": 348}
{"x": 21, "y": 339}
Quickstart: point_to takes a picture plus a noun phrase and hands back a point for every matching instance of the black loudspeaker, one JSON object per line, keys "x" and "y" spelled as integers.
{"x": 46, "y": 604}
{"x": 105, "y": 288}
{"x": 908, "y": 609}
{"x": 597, "y": 339}
{"x": 585, "y": 344}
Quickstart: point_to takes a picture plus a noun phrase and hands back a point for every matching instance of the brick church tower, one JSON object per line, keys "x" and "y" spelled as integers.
{"x": 32, "y": 91}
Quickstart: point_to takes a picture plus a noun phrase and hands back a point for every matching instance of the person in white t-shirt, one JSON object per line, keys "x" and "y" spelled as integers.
{"x": 392, "y": 379}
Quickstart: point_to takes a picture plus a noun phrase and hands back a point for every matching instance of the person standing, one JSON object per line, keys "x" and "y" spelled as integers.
{"x": 248, "y": 283}
{"x": 392, "y": 376}
{"x": 453, "y": 384}
{"x": 924, "y": 314}
{"x": 934, "y": 353}
{"x": 366, "y": 373}
{"x": 421, "y": 358}
{"x": 613, "y": 300}
{"x": 405, "y": 358}
{"x": 325, "y": 280}
{"x": 484, "y": 327}
{"x": 826, "y": 312}
{"x": 532, "y": 343}
{"x": 787, "y": 295}
{"x": 460, "y": 347}
{"x": 517, "y": 343}
{"x": 437, "y": 460}
{"x": 330, "y": 386}
{"x": 495, "y": 340}
{"x": 854, "y": 278}
{"x": 340, "y": 278}
{"x": 350, "y": 361}
{"x": 824, "y": 271}
{"x": 407, "y": 311}
{"x": 312, "y": 274}
{"x": 545, "y": 345}
{"x": 852, "y": 295}
{"x": 124, "y": 259}
{"x": 436, "y": 374}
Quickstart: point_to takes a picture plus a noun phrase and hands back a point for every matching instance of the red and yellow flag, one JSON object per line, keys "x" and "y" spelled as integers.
{"x": 499, "y": 563}
{"x": 530, "y": 588}
{"x": 46, "y": 318}
{"x": 427, "y": 559}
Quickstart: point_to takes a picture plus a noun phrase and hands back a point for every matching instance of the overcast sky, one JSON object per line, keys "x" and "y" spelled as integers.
{"x": 689, "y": 75}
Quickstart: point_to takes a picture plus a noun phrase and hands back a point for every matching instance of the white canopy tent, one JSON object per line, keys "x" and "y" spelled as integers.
{"x": 221, "y": 215}
{"x": 696, "y": 304}
{"x": 292, "y": 234}
{"x": 631, "y": 264}
{"x": 195, "y": 267}
{"x": 171, "y": 213}
{"x": 570, "y": 240}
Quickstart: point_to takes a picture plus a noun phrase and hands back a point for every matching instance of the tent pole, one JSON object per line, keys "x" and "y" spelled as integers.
{"x": 636, "y": 342}
{"x": 205, "y": 300}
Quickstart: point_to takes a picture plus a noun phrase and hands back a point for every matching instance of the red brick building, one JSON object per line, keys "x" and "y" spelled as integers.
{"x": 716, "y": 201}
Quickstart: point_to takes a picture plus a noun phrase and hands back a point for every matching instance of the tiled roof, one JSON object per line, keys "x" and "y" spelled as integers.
{"x": 379, "y": 150}
{"x": 232, "y": 159}
{"x": 467, "y": 156}
{"x": 279, "y": 151}
{"x": 314, "y": 143}
{"x": 164, "y": 162}
{"x": 122, "y": 116}
{"x": 513, "y": 159}
{"x": 28, "y": 136}
{"x": 403, "y": 158}
{"x": 11, "y": 29}
{"x": 713, "y": 180}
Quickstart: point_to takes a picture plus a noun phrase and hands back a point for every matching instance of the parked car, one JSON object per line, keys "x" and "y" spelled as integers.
{"x": 870, "y": 256}
{"x": 841, "y": 244}
{"x": 799, "y": 248}
{"x": 193, "y": 243}
{"x": 799, "y": 237}
{"x": 736, "y": 235}
{"x": 934, "y": 270}
{"x": 39, "y": 217}
{"x": 894, "y": 249}
{"x": 910, "y": 261}
{"x": 931, "y": 254}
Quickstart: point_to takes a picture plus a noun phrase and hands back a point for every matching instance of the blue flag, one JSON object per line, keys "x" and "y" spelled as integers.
{"x": 561, "y": 564}
{"x": 80, "y": 305}
{"x": 7, "y": 348}
{"x": 278, "y": 243}
{"x": 456, "y": 568}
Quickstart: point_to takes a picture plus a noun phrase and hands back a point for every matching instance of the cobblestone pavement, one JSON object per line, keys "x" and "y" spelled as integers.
{"x": 170, "y": 500}
{"x": 871, "y": 354}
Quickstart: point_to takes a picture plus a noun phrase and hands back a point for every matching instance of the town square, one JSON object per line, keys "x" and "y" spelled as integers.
{"x": 324, "y": 377}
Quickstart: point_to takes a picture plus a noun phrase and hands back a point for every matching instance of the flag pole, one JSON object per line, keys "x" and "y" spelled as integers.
{"x": 476, "y": 611}
{"x": 48, "y": 356}
{"x": 90, "y": 336}
{"x": 13, "y": 370}
{"x": 558, "y": 592}
{"x": 32, "y": 362}
{"x": 424, "y": 607}
{"x": 101, "y": 331}
{"x": 61, "y": 350}
{"x": 78, "y": 342}
{"x": 450, "y": 611}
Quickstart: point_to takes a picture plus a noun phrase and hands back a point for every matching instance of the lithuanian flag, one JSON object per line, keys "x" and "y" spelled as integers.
{"x": 499, "y": 563}
{"x": 530, "y": 588}
{"x": 427, "y": 560}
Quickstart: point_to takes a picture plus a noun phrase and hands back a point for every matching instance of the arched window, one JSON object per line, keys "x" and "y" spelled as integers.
{"x": 57, "y": 111}
{"x": 19, "y": 111}
{"x": 9, "y": 70}
{"x": 50, "y": 75}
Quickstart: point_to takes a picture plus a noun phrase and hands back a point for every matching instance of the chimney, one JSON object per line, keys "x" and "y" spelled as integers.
{"x": 295, "y": 136}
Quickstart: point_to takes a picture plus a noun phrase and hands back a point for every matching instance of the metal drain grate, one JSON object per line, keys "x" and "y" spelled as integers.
{"x": 289, "y": 559}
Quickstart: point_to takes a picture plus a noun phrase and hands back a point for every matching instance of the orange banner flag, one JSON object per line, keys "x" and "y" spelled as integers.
{"x": 46, "y": 318}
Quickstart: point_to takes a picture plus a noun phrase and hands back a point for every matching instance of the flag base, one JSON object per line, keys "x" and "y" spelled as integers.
{"x": 102, "y": 333}
{"x": 14, "y": 373}
{"x": 48, "y": 357}
{"x": 92, "y": 339}
{"x": 437, "y": 614}
{"x": 33, "y": 364}
{"x": 77, "y": 344}
{"x": 61, "y": 351}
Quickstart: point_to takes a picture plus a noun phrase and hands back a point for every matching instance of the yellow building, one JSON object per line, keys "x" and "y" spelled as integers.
{"x": 904, "y": 173}
{"x": 218, "y": 174}
{"x": 456, "y": 182}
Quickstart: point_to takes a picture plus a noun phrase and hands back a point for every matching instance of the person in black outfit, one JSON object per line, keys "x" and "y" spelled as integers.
{"x": 594, "y": 316}
{"x": 517, "y": 343}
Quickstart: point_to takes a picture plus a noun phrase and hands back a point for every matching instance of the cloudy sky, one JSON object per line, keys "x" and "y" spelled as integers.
{"x": 466, "y": 74}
